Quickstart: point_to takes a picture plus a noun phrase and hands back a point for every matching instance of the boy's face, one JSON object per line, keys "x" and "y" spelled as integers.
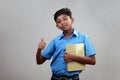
{"x": 64, "y": 22}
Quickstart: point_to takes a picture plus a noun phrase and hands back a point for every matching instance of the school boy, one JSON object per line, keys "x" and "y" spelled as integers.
{"x": 57, "y": 48}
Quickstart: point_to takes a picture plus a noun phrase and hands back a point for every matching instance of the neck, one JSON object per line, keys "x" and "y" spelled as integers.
{"x": 68, "y": 32}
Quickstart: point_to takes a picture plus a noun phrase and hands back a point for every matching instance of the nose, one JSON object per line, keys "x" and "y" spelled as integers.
{"x": 62, "y": 22}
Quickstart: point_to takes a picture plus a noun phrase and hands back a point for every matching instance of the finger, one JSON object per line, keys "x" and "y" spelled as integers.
{"x": 64, "y": 52}
{"x": 42, "y": 39}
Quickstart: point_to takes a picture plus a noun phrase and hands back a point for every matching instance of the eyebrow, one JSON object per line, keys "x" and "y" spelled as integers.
{"x": 63, "y": 17}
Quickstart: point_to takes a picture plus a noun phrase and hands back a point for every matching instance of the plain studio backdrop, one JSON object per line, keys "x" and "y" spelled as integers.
{"x": 24, "y": 22}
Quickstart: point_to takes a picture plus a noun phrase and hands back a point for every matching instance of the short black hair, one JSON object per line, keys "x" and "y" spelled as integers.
{"x": 65, "y": 11}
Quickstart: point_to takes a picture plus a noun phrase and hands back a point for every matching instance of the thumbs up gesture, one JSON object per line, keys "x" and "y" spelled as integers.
{"x": 42, "y": 44}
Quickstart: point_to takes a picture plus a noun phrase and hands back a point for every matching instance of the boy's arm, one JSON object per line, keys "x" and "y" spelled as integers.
{"x": 84, "y": 60}
{"x": 39, "y": 58}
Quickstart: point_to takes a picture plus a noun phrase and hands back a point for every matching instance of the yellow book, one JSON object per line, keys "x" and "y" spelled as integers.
{"x": 77, "y": 49}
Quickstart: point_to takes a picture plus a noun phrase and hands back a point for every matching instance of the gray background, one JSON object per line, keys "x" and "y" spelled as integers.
{"x": 24, "y": 22}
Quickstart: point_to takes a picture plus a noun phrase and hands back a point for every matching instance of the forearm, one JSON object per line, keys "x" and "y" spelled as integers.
{"x": 39, "y": 58}
{"x": 85, "y": 60}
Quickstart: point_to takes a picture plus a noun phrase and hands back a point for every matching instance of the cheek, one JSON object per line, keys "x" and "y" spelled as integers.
{"x": 58, "y": 26}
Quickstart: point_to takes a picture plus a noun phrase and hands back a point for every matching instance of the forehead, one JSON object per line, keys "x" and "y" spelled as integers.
{"x": 62, "y": 16}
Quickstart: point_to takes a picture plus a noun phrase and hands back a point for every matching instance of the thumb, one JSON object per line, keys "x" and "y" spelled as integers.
{"x": 42, "y": 39}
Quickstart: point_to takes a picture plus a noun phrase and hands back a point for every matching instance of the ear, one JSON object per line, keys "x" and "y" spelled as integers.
{"x": 72, "y": 20}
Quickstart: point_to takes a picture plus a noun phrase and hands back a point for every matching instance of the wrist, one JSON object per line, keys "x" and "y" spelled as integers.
{"x": 39, "y": 50}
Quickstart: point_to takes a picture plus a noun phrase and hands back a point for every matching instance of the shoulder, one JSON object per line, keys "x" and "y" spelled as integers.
{"x": 82, "y": 35}
{"x": 57, "y": 38}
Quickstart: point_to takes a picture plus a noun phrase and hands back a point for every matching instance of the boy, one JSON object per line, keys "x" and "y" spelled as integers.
{"x": 56, "y": 48}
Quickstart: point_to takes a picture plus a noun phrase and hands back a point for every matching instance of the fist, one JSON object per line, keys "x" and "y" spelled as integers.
{"x": 42, "y": 44}
{"x": 68, "y": 57}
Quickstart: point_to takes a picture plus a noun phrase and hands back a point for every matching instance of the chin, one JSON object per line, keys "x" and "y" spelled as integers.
{"x": 65, "y": 29}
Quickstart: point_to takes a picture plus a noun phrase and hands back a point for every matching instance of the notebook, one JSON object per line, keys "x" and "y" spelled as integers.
{"x": 77, "y": 49}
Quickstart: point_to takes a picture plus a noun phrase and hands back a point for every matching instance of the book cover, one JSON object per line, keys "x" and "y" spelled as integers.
{"x": 77, "y": 49}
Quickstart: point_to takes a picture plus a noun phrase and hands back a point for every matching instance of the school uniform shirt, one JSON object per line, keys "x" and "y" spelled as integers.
{"x": 58, "y": 45}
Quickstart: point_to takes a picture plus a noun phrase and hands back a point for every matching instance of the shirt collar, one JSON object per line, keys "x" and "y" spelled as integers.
{"x": 73, "y": 34}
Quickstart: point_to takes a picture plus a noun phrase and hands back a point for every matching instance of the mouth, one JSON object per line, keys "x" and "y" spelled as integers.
{"x": 64, "y": 26}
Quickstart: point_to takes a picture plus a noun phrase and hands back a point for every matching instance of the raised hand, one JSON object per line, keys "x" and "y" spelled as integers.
{"x": 42, "y": 44}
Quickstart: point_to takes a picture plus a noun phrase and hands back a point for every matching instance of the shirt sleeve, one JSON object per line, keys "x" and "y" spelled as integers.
{"x": 89, "y": 49}
{"x": 48, "y": 51}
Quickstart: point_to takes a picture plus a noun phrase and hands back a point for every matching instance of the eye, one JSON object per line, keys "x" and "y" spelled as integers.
{"x": 65, "y": 18}
{"x": 58, "y": 21}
